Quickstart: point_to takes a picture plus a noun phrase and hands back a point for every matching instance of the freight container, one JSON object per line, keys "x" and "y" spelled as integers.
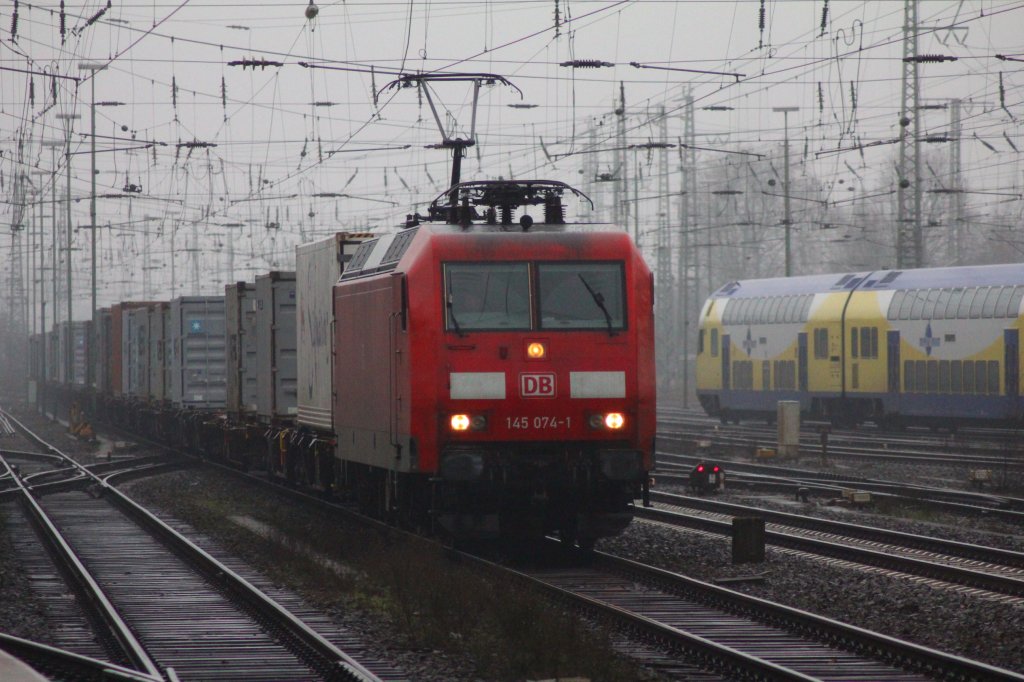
{"x": 157, "y": 313}
{"x": 168, "y": 351}
{"x": 198, "y": 358}
{"x": 101, "y": 357}
{"x": 240, "y": 318}
{"x": 135, "y": 353}
{"x": 318, "y": 266}
{"x": 276, "y": 341}
{"x": 72, "y": 353}
{"x": 116, "y": 348}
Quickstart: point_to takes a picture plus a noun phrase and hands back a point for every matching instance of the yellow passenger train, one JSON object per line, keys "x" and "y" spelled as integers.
{"x": 937, "y": 346}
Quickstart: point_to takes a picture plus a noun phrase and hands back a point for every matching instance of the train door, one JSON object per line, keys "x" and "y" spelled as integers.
{"x": 1011, "y": 344}
{"x": 726, "y": 352}
{"x": 893, "y": 365}
{"x": 801, "y": 340}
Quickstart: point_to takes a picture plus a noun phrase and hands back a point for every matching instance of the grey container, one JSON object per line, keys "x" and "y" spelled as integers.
{"x": 318, "y": 265}
{"x": 197, "y": 367}
{"x": 73, "y": 353}
{"x": 157, "y": 313}
{"x": 135, "y": 353}
{"x": 102, "y": 354}
{"x": 276, "y": 346}
{"x": 240, "y": 320}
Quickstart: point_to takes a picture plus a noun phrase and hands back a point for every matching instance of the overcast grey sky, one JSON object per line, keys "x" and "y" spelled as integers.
{"x": 286, "y": 133}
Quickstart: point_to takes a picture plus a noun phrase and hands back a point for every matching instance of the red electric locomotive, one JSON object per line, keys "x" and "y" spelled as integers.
{"x": 497, "y": 378}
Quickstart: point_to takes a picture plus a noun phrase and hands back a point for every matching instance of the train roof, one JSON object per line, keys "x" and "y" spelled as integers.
{"x": 488, "y": 242}
{"x": 878, "y": 280}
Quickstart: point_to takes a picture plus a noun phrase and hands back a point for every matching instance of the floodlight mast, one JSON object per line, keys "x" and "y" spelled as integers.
{"x": 456, "y": 144}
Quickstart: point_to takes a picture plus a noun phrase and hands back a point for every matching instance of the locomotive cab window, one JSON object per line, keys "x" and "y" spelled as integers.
{"x": 581, "y": 296}
{"x": 481, "y": 296}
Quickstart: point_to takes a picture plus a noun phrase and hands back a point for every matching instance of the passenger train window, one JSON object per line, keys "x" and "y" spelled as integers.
{"x": 954, "y": 303}
{"x": 931, "y": 298}
{"x": 993, "y": 376}
{"x": 955, "y": 376}
{"x": 581, "y": 295}
{"x": 700, "y": 342}
{"x": 487, "y": 296}
{"x": 853, "y": 343}
{"x": 714, "y": 343}
{"x": 820, "y": 343}
{"x": 789, "y": 309}
{"x": 894, "y": 305}
{"x": 968, "y": 376}
{"x": 989, "y": 309}
{"x": 806, "y": 312}
{"x": 963, "y": 311}
{"x": 941, "y": 304}
{"x": 907, "y": 304}
{"x": 978, "y": 303}
{"x": 920, "y": 298}
{"x": 943, "y": 376}
{"x": 1005, "y": 294}
{"x": 1013, "y": 309}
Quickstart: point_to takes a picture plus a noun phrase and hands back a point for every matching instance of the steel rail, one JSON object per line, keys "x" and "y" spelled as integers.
{"x": 310, "y": 645}
{"x": 995, "y": 555}
{"x": 952, "y": 574}
{"x": 99, "y": 604}
{"x": 60, "y": 664}
{"x": 897, "y": 652}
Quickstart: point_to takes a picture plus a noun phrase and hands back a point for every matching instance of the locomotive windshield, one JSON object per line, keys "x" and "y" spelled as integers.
{"x": 487, "y": 296}
{"x": 581, "y": 296}
{"x": 496, "y": 296}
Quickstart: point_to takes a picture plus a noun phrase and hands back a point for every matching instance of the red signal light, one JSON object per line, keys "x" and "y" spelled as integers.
{"x": 700, "y": 469}
{"x": 715, "y": 469}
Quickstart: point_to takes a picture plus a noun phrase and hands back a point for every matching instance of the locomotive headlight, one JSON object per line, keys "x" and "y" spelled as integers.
{"x": 614, "y": 420}
{"x": 536, "y": 350}
{"x": 466, "y": 422}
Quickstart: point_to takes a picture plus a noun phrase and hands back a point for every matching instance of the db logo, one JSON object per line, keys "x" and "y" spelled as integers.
{"x": 537, "y": 385}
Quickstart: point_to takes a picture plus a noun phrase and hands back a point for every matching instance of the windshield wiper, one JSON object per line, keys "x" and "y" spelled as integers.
{"x": 451, "y": 312}
{"x": 599, "y": 301}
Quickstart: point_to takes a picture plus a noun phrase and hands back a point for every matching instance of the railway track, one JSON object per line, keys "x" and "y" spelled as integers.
{"x": 159, "y": 604}
{"x": 988, "y": 448}
{"x": 995, "y": 573}
{"x": 675, "y": 468}
{"x": 736, "y": 635}
{"x": 700, "y": 631}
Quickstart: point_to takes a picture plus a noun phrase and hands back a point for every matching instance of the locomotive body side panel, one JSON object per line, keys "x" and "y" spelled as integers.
{"x": 369, "y": 373}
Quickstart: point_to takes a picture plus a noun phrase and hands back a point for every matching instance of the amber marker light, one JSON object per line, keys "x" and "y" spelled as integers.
{"x": 614, "y": 420}
{"x": 536, "y": 350}
{"x": 460, "y": 422}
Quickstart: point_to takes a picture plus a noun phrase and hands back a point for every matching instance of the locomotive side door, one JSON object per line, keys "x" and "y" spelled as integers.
{"x": 726, "y": 377}
{"x": 1011, "y": 345}
{"x": 892, "y": 343}
{"x": 801, "y": 344}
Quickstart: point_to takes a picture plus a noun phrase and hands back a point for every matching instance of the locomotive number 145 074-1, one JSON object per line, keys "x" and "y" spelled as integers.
{"x": 525, "y": 423}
